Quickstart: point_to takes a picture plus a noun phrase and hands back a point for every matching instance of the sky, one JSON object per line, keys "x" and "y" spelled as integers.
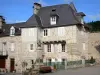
{"x": 20, "y": 10}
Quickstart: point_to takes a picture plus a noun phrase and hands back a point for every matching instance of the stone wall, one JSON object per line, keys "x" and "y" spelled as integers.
{"x": 94, "y": 46}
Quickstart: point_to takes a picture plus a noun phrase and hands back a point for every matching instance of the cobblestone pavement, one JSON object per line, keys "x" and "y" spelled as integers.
{"x": 95, "y": 70}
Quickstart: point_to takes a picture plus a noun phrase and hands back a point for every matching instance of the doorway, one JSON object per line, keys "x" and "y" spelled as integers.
{"x": 12, "y": 63}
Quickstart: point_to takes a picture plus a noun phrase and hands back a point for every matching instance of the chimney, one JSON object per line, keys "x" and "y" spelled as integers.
{"x": 36, "y": 7}
{"x": 2, "y": 21}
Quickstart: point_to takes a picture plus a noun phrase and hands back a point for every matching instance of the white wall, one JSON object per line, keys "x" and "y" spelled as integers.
{"x": 29, "y": 34}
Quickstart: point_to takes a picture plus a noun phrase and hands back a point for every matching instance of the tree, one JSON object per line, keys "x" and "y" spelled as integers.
{"x": 94, "y": 26}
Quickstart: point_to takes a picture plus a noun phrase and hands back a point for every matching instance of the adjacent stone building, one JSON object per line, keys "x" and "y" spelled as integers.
{"x": 53, "y": 34}
{"x": 94, "y": 46}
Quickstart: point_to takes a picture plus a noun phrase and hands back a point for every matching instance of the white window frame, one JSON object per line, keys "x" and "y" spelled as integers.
{"x": 61, "y": 31}
{"x": 12, "y": 31}
{"x": 53, "y": 20}
{"x": 49, "y": 48}
{"x": 84, "y": 46}
{"x": 45, "y": 32}
{"x": 63, "y": 48}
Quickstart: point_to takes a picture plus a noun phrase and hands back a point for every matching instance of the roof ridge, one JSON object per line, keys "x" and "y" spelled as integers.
{"x": 54, "y": 5}
{"x": 15, "y": 23}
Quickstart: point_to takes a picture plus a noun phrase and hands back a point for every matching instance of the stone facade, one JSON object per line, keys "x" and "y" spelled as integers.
{"x": 15, "y": 54}
{"x": 94, "y": 46}
{"x": 73, "y": 48}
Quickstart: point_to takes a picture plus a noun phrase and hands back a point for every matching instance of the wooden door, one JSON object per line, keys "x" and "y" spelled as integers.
{"x": 12, "y": 63}
{"x": 2, "y": 63}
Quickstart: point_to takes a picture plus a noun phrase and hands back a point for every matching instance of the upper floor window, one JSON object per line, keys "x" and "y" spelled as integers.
{"x": 12, "y": 31}
{"x": 31, "y": 46}
{"x": 84, "y": 46}
{"x": 63, "y": 47}
{"x": 61, "y": 31}
{"x": 45, "y": 32}
{"x": 49, "y": 47}
{"x": 53, "y": 20}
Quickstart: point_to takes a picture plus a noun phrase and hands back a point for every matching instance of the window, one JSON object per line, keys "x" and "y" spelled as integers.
{"x": 31, "y": 46}
{"x": 63, "y": 47}
{"x": 12, "y": 31}
{"x": 49, "y": 47}
{"x": 12, "y": 46}
{"x": 49, "y": 62}
{"x": 84, "y": 47}
{"x": 32, "y": 61}
{"x": 61, "y": 31}
{"x": 63, "y": 61}
{"x": 53, "y": 20}
{"x": 45, "y": 32}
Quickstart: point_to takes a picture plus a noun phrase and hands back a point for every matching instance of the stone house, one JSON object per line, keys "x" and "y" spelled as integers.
{"x": 54, "y": 34}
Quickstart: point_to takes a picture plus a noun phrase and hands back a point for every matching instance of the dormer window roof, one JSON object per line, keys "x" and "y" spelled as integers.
{"x": 53, "y": 17}
{"x": 12, "y": 31}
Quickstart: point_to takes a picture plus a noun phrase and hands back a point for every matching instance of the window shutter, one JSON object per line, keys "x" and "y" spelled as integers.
{"x": 45, "y": 48}
{"x": 65, "y": 48}
{"x": 63, "y": 31}
{"x": 12, "y": 46}
{"x": 59, "y": 32}
{"x": 83, "y": 46}
{"x": 59, "y": 48}
{"x": 48, "y": 32}
{"x": 52, "y": 48}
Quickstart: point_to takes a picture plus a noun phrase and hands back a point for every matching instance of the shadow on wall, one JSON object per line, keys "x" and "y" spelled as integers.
{"x": 98, "y": 48}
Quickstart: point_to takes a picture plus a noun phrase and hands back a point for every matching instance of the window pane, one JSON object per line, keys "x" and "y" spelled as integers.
{"x": 31, "y": 46}
{"x": 63, "y": 47}
{"x": 49, "y": 47}
{"x": 63, "y": 61}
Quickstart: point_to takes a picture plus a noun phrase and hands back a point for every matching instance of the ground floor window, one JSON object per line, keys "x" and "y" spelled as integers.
{"x": 63, "y": 61}
{"x": 49, "y": 62}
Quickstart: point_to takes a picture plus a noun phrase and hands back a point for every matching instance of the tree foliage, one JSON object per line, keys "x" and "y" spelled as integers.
{"x": 94, "y": 26}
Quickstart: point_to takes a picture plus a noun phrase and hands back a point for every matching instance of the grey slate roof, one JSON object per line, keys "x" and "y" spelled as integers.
{"x": 67, "y": 15}
{"x": 6, "y": 29}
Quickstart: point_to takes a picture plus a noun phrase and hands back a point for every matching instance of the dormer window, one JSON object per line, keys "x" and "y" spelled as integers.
{"x": 12, "y": 31}
{"x": 53, "y": 20}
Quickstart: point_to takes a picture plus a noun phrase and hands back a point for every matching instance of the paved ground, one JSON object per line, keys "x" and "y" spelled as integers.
{"x": 83, "y": 71}
{"x": 95, "y": 70}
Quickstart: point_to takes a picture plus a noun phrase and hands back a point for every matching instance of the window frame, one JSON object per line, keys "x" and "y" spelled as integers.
{"x": 63, "y": 47}
{"x": 53, "y": 20}
{"x": 63, "y": 61}
{"x": 12, "y": 31}
{"x": 49, "y": 48}
{"x": 45, "y": 32}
